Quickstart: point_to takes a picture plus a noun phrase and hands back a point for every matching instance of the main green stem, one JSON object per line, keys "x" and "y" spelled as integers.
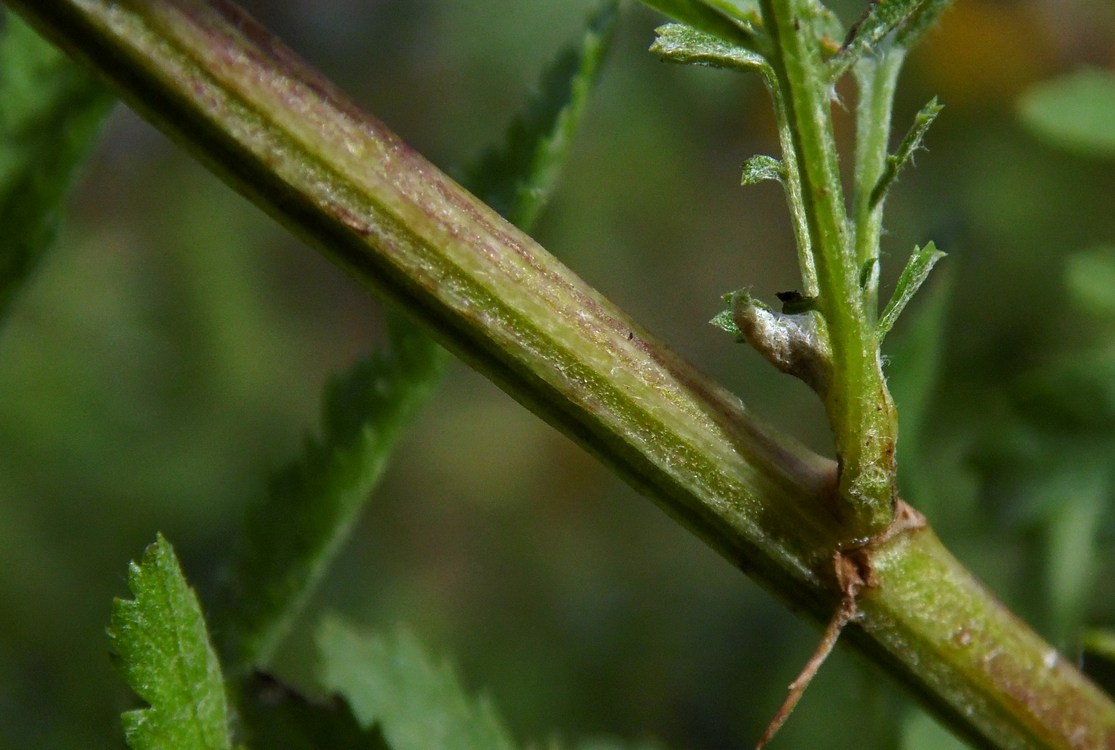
{"x": 859, "y": 407}
{"x": 280, "y": 133}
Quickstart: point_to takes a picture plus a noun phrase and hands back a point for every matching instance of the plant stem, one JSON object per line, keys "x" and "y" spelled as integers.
{"x": 288, "y": 139}
{"x": 793, "y": 185}
{"x": 860, "y": 410}
{"x": 876, "y": 78}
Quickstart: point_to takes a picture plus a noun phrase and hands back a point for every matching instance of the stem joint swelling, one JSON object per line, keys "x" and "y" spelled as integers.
{"x": 797, "y": 342}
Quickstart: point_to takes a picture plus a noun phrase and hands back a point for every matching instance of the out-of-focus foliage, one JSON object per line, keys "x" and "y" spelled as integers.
{"x": 173, "y": 348}
{"x": 1046, "y": 464}
{"x": 51, "y": 112}
{"x": 290, "y": 539}
{"x": 1076, "y": 112}
{"x": 519, "y": 178}
{"x": 418, "y": 703}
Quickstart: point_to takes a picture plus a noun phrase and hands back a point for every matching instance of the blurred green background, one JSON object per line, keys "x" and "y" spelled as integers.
{"x": 171, "y": 352}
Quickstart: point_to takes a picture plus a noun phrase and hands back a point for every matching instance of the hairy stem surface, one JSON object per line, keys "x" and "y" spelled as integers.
{"x": 876, "y": 79}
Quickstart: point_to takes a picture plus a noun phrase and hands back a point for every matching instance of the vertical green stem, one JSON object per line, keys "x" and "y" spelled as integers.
{"x": 858, "y": 404}
{"x": 876, "y": 78}
{"x": 793, "y": 185}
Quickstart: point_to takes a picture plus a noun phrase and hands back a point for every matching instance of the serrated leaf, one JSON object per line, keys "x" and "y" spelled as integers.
{"x": 915, "y": 136}
{"x": 678, "y": 43}
{"x": 162, "y": 649}
{"x": 290, "y": 539}
{"x": 734, "y": 22}
{"x": 913, "y": 276}
{"x": 51, "y": 112}
{"x": 879, "y": 19}
{"x": 725, "y": 321}
{"x": 518, "y": 179}
{"x": 906, "y": 19}
{"x": 1075, "y": 112}
{"x": 416, "y": 701}
{"x": 759, "y": 168}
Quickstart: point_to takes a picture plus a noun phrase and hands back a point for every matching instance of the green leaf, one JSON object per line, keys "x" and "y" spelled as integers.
{"x": 417, "y": 702}
{"x": 290, "y": 539}
{"x": 1075, "y": 112}
{"x": 905, "y": 153}
{"x": 518, "y": 180}
{"x": 913, "y": 276}
{"x": 760, "y": 167}
{"x": 678, "y": 43}
{"x": 162, "y": 649}
{"x": 51, "y": 112}
{"x": 725, "y": 320}
{"x": 879, "y": 19}
{"x": 1046, "y": 465}
{"x": 907, "y": 19}
{"x": 735, "y": 22}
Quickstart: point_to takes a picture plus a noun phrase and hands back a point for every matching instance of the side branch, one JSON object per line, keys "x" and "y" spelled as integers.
{"x": 288, "y": 139}
{"x": 858, "y": 404}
